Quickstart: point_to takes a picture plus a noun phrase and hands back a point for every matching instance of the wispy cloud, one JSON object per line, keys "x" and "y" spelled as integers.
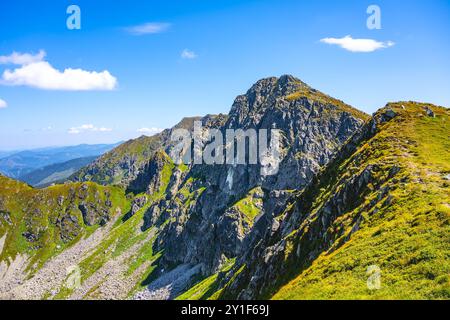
{"x": 3, "y": 104}
{"x": 44, "y": 129}
{"x": 37, "y": 73}
{"x": 87, "y": 128}
{"x": 358, "y": 45}
{"x": 148, "y": 28}
{"x": 22, "y": 58}
{"x": 149, "y": 131}
{"x": 188, "y": 54}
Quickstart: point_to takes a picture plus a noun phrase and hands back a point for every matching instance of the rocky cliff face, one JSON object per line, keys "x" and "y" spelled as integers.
{"x": 209, "y": 225}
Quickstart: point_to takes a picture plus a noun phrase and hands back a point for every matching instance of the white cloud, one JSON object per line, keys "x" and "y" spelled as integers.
{"x": 37, "y": 73}
{"x": 22, "y": 58}
{"x": 149, "y": 28}
{"x": 358, "y": 45}
{"x": 3, "y": 104}
{"x": 87, "y": 128}
{"x": 149, "y": 131}
{"x": 188, "y": 54}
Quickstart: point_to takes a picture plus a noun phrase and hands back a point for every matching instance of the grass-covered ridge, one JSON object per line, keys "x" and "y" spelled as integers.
{"x": 113, "y": 167}
{"x": 315, "y": 96}
{"x": 41, "y": 223}
{"x": 399, "y": 224}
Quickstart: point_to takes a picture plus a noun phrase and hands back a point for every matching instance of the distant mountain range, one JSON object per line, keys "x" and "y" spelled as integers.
{"x": 54, "y": 173}
{"x": 4, "y": 154}
{"x": 21, "y": 164}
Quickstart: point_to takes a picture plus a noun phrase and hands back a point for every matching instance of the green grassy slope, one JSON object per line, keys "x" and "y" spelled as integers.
{"x": 406, "y": 234}
{"x": 109, "y": 169}
{"x": 42, "y": 223}
{"x": 129, "y": 242}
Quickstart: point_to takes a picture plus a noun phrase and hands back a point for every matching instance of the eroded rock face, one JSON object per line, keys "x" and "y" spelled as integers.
{"x": 314, "y": 126}
{"x": 69, "y": 227}
{"x": 93, "y": 215}
{"x": 5, "y": 218}
{"x": 138, "y": 204}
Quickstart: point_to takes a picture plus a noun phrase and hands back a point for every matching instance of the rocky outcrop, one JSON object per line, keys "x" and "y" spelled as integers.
{"x": 314, "y": 127}
{"x": 69, "y": 227}
{"x": 138, "y": 203}
{"x": 149, "y": 178}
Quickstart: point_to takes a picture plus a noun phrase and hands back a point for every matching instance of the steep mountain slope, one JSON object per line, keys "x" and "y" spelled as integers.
{"x": 382, "y": 204}
{"x": 402, "y": 225}
{"x": 21, "y": 163}
{"x": 213, "y": 204}
{"x": 36, "y": 225}
{"x": 82, "y": 230}
{"x": 126, "y": 164}
{"x": 39, "y": 219}
{"x": 55, "y": 173}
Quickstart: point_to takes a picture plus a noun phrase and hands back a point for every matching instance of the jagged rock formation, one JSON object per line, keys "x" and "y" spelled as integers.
{"x": 313, "y": 125}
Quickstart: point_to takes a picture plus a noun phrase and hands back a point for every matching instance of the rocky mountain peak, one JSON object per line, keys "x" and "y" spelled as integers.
{"x": 281, "y": 86}
{"x": 289, "y": 96}
{"x": 266, "y": 90}
{"x": 187, "y": 123}
{"x": 288, "y": 84}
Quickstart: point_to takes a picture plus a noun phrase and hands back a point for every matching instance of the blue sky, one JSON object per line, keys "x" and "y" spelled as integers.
{"x": 230, "y": 45}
